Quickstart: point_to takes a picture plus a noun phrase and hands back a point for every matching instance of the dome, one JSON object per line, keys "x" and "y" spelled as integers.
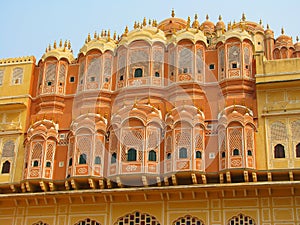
{"x": 196, "y": 23}
{"x": 283, "y": 40}
{"x": 172, "y": 25}
{"x": 59, "y": 52}
{"x": 207, "y": 26}
{"x": 220, "y": 24}
{"x": 101, "y": 42}
{"x": 269, "y": 32}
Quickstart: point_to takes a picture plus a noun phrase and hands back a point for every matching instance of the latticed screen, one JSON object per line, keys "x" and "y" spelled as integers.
{"x": 295, "y": 126}
{"x": 221, "y": 140}
{"x": 87, "y": 222}
{"x": 137, "y": 218}
{"x": 50, "y": 152}
{"x": 40, "y": 223}
{"x": 199, "y": 142}
{"x": 8, "y": 149}
{"x": 234, "y": 55}
{"x": 250, "y": 140}
{"x": 278, "y": 131}
{"x": 235, "y": 138}
{"x": 94, "y": 69}
{"x": 185, "y": 61}
{"x": 17, "y": 76}
{"x": 158, "y": 58}
{"x": 241, "y": 219}
{"x": 50, "y": 73}
{"x": 1, "y": 76}
{"x": 37, "y": 151}
{"x": 62, "y": 73}
{"x": 199, "y": 61}
{"x": 221, "y": 63}
{"x": 153, "y": 139}
{"x": 188, "y": 220}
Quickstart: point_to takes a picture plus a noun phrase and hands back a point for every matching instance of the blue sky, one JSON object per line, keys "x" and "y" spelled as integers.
{"x": 27, "y": 27}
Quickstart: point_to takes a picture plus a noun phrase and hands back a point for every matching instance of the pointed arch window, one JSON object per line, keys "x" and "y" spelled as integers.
{"x": 241, "y": 219}
{"x": 236, "y": 152}
{"x": 249, "y": 153}
{"x": 279, "y": 151}
{"x": 82, "y": 159}
{"x": 97, "y": 160}
{"x": 131, "y": 155}
{"x": 182, "y": 153}
{"x": 169, "y": 155}
{"x": 87, "y": 221}
{"x": 5, "y": 167}
{"x": 152, "y": 156}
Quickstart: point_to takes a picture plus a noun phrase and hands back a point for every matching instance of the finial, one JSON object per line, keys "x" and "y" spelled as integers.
{"x": 102, "y": 33}
{"x": 196, "y": 16}
{"x": 46, "y": 50}
{"x": 54, "y": 45}
{"x": 65, "y": 44}
{"x": 268, "y": 27}
{"x": 155, "y": 23}
{"x": 135, "y": 25}
{"x": 149, "y": 22}
{"x": 260, "y": 22}
{"x": 135, "y": 103}
{"x": 118, "y": 37}
{"x": 60, "y": 43}
{"x": 243, "y": 17}
{"x": 173, "y": 13}
{"x": 220, "y": 17}
{"x": 89, "y": 37}
{"x": 207, "y": 17}
{"x": 95, "y": 35}
{"x": 69, "y": 45}
{"x": 148, "y": 102}
{"x": 144, "y": 22}
{"x": 282, "y": 31}
{"x": 229, "y": 26}
{"x": 49, "y": 48}
{"x": 126, "y": 30}
{"x": 195, "y": 23}
{"x": 105, "y": 33}
{"x": 108, "y": 35}
{"x": 115, "y": 35}
{"x": 188, "y": 23}
{"x": 297, "y": 38}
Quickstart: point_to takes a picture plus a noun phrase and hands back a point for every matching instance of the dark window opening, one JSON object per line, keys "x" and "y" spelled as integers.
{"x": 157, "y": 74}
{"x": 81, "y": 82}
{"x": 236, "y": 152}
{"x": 169, "y": 155}
{"x": 70, "y": 162}
{"x": 279, "y": 151}
{"x": 212, "y": 66}
{"x": 183, "y": 153}
{"x": 26, "y": 165}
{"x": 113, "y": 158}
{"x": 48, "y": 164}
{"x": 258, "y": 43}
{"x": 35, "y": 163}
{"x": 172, "y": 74}
{"x": 199, "y": 71}
{"x": 92, "y": 79}
{"x": 223, "y": 154}
{"x": 60, "y": 83}
{"x": 49, "y": 83}
{"x": 72, "y": 79}
{"x": 97, "y": 160}
{"x": 138, "y": 72}
{"x": 247, "y": 66}
{"x": 106, "y": 79}
{"x": 5, "y": 167}
{"x": 185, "y": 70}
{"x": 249, "y": 153}
{"x": 152, "y": 156}
{"x": 234, "y": 65}
{"x": 131, "y": 155}
{"x": 121, "y": 77}
{"x": 82, "y": 159}
{"x": 198, "y": 155}
{"x": 298, "y": 150}
{"x": 222, "y": 69}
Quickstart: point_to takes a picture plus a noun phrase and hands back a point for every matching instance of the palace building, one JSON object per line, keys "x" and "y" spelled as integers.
{"x": 176, "y": 122}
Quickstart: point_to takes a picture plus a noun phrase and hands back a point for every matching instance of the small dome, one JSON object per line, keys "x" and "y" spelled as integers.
{"x": 172, "y": 25}
{"x": 220, "y": 24}
{"x": 283, "y": 40}
{"x": 59, "y": 52}
{"x": 269, "y": 32}
{"x": 207, "y": 26}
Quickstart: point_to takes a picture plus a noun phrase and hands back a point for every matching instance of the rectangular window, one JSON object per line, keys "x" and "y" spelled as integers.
{"x": 1, "y": 76}
{"x": 234, "y": 65}
{"x": 185, "y": 70}
{"x": 72, "y": 79}
{"x": 92, "y": 79}
{"x": 212, "y": 66}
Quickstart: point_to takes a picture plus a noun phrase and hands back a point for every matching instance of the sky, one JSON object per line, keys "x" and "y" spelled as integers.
{"x": 28, "y": 27}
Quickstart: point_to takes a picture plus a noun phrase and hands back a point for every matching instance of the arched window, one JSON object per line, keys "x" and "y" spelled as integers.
{"x": 188, "y": 220}
{"x": 152, "y": 156}
{"x": 40, "y": 223}
{"x": 35, "y": 163}
{"x": 82, "y": 159}
{"x": 249, "y": 153}
{"x": 113, "y": 158}
{"x": 241, "y": 219}
{"x": 48, "y": 164}
{"x": 183, "y": 153}
{"x": 223, "y": 154}
{"x": 6, "y": 167}
{"x": 298, "y": 150}
{"x": 198, "y": 155}
{"x": 87, "y": 221}
{"x": 17, "y": 76}
{"x": 279, "y": 151}
{"x": 236, "y": 152}
{"x": 169, "y": 155}
{"x": 138, "y": 72}
{"x": 137, "y": 218}
{"x": 157, "y": 74}
{"x": 131, "y": 155}
{"x": 97, "y": 160}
